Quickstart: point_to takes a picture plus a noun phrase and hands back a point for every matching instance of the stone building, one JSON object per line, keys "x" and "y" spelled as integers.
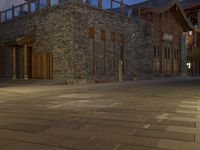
{"x": 192, "y": 11}
{"x": 168, "y": 22}
{"x": 74, "y": 42}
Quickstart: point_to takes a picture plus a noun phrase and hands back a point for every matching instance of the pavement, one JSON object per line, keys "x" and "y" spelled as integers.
{"x": 139, "y": 115}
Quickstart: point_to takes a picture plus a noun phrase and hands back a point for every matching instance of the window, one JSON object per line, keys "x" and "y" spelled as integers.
{"x": 158, "y": 51}
{"x": 112, "y": 53}
{"x": 91, "y": 51}
{"x": 165, "y": 52}
{"x": 155, "y": 52}
{"x": 177, "y": 54}
{"x": 122, "y": 42}
{"x": 168, "y": 53}
{"x": 103, "y": 51}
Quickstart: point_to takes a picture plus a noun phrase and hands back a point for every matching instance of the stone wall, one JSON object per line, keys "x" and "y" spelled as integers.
{"x": 53, "y": 33}
{"x": 138, "y": 51}
{"x": 63, "y": 30}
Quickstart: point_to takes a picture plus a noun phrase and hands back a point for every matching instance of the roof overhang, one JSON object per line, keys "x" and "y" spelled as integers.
{"x": 174, "y": 3}
{"x": 21, "y": 41}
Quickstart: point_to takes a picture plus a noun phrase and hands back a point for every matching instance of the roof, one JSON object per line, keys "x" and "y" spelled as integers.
{"x": 189, "y": 2}
{"x": 152, "y": 4}
{"x": 161, "y": 6}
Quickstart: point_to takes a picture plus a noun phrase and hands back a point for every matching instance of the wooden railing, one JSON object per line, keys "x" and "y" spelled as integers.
{"x": 32, "y": 6}
{"x": 27, "y": 8}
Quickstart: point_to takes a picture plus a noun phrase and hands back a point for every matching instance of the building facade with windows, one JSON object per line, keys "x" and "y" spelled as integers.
{"x": 168, "y": 22}
{"x": 74, "y": 42}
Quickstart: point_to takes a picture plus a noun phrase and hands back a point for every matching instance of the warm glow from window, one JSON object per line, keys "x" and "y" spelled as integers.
{"x": 189, "y": 65}
{"x": 190, "y": 33}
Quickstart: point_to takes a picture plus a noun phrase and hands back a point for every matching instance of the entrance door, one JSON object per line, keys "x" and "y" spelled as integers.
{"x": 42, "y": 66}
{"x": 167, "y": 58}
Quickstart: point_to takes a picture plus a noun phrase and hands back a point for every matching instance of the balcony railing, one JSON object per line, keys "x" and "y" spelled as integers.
{"x": 31, "y": 6}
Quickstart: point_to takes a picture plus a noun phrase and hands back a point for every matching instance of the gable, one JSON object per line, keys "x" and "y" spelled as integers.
{"x": 162, "y": 7}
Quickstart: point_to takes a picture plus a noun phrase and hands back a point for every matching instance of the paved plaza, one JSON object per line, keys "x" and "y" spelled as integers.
{"x": 140, "y": 115}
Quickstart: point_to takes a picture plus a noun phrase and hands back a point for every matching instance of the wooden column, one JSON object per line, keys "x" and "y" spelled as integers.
{"x": 21, "y": 10}
{"x": 48, "y": 3}
{"x": 99, "y": 3}
{"x": 14, "y": 63}
{"x": 13, "y": 11}
{"x": 0, "y": 16}
{"x": 122, "y": 7}
{"x": 29, "y": 7}
{"x": 198, "y": 18}
{"x": 25, "y": 62}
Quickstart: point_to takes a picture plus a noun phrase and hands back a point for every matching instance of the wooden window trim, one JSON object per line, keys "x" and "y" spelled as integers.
{"x": 91, "y": 33}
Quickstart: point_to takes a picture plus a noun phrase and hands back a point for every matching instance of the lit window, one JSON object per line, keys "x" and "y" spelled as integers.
{"x": 190, "y": 33}
{"x": 189, "y": 65}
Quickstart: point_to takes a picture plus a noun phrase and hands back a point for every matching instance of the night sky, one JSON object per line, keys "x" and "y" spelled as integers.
{"x": 106, "y": 3}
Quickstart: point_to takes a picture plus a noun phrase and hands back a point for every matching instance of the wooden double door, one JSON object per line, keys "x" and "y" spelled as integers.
{"x": 20, "y": 62}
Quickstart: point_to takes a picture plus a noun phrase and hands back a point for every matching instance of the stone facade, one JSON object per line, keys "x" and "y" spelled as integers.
{"x": 64, "y": 31}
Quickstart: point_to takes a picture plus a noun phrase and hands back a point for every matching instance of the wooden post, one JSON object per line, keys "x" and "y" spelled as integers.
{"x": 29, "y": 7}
{"x": 198, "y": 19}
{"x": 21, "y": 10}
{"x": 14, "y": 63}
{"x": 48, "y": 3}
{"x": 5, "y": 15}
{"x": 59, "y": 1}
{"x": 13, "y": 11}
{"x": 122, "y": 7}
{"x": 0, "y": 16}
{"x": 111, "y": 4}
{"x": 100, "y": 4}
{"x": 25, "y": 62}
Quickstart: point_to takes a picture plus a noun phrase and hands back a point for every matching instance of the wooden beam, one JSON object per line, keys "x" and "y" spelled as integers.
{"x": 122, "y": 7}
{"x": 0, "y": 16}
{"x": 13, "y": 11}
{"x": 21, "y": 9}
{"x": 198, "y": 18}
{"x": 48, "y": 3}
{"x": 100, "y": 4}
{"x": 29, "y": 7}
{"x": 25, "y": 62}
{"x": 14, "y": 63}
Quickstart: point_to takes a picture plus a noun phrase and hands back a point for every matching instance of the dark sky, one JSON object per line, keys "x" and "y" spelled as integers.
{"x": 107, "y": 2}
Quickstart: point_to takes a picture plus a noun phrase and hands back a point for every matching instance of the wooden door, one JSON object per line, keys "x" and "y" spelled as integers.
{"x": 42, "y": 66}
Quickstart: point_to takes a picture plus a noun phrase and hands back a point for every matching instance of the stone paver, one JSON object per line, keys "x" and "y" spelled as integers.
{"x": 142, "y": 115}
